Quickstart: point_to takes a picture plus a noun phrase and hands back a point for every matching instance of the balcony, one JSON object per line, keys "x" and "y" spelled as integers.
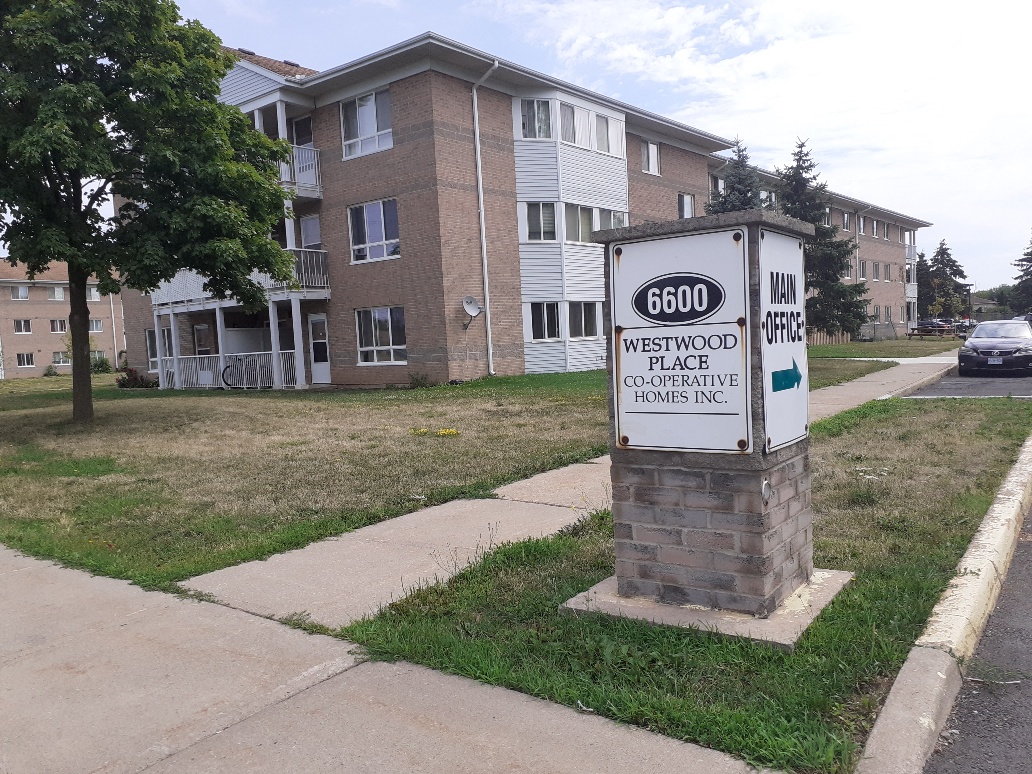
{"x": 301, "y": 173}
{"x": 310, "y": 271}
{"x": 911, "y": 291}
{"x": 911, "y": 252}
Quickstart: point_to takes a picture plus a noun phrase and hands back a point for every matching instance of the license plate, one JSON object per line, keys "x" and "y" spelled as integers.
{"x": 996, "y": 361}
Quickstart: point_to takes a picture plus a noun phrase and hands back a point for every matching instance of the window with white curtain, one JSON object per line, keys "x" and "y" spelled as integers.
{"x": 537, "y": 119}
{"x": 685, "y": 205}
{"x": 574, "y": 122}
{"x": 609, "y": 135}
{"x": 650, "y": 157}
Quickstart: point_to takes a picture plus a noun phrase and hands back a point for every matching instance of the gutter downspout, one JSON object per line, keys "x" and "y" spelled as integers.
{"x": 483, "y": 226}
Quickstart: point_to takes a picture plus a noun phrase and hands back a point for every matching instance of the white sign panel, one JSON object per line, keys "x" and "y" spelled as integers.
{"x": 786, "y": 379}
{"x": 681, "y": 342}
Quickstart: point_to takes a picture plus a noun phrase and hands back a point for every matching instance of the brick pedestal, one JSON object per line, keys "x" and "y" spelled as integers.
{"x": 687, "y": 534}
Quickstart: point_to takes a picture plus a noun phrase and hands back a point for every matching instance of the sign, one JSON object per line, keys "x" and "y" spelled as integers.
{"x": 786, "y": 383}
{"x": 680, "y": 315}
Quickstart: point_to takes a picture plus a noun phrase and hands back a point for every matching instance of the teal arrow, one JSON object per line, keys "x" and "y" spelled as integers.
{"x": 787, "y": 379}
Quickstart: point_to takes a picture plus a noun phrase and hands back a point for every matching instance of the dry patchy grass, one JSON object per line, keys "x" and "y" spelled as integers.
{"x": 207, "y": 479}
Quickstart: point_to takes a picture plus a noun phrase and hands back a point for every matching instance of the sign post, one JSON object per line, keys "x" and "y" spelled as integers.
{"x": 709, "y": 405}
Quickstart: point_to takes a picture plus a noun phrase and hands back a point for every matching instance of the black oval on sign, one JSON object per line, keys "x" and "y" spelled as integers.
{"x": 675, "y": 299}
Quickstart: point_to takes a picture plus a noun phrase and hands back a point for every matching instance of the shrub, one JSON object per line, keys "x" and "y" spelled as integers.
{"x": 133, "y": 378}
{"x": 419, "y": 381}
{"x": 51, "y": 370}
{"x": 100, "y": 366}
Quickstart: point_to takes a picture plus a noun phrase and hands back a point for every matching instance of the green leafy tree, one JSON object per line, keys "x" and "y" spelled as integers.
{"x": 925, "y": 292}
{"x": 1022, "y": 291}
{"x": 831, "y": 305}
{"x": 741, "y": 185}
{"x": 1004, "y": 294}
{"x": 103, "y": 97}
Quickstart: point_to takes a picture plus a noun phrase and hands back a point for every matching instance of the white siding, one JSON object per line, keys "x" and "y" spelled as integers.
{"x": 585, "y": 272}
{"x": 185, "y": 286}
{"x": 544, "y": 357}
{"x": 537, "y": 173}
{"x": 587, "y": 354}
{"x": 541, "y": 272}
{"x": 593, "y": 178}
{"x": 242, "y": 85}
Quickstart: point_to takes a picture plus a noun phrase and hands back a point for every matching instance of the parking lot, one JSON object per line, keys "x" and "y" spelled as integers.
{"x": 999, "y": 385}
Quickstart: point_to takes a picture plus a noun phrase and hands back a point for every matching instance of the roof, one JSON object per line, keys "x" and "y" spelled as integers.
{"x": 451, "y": 54}
{"x": 278, "y": 66}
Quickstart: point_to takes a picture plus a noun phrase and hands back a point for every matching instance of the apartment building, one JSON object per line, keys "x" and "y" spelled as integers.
{"x": 34, "y": 323}
{"x": 430, "y": 179}
{"x": 885, "y": 257}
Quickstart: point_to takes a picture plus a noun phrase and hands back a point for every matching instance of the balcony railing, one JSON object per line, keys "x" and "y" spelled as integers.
{"x": 302, "y": 173}
{"x": 911, "y": 291}
{"x": 238, "y": 370}
{"x": 911, "y": 252}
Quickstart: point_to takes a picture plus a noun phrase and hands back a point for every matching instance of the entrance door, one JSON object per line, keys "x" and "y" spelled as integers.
{"x": 319, "y": 348}
{"x": 305, "y": 170}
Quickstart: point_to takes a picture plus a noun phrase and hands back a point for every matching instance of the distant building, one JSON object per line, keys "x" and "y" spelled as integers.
{"x": 34, "y": 323}
{"x": 426, "y": 173}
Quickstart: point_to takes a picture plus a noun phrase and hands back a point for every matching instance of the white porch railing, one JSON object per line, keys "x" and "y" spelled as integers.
{"x": 310, "y": 269}
{"x": 302, "y": 171}
{"x": 247, "y": 370}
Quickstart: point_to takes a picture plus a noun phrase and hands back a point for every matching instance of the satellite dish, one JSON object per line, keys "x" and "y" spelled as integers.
{"x": 473, "y": 309}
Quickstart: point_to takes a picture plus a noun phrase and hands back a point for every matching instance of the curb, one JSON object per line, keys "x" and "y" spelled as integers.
{"x": 922, "y": 382}
{"x": 922, "y": 695}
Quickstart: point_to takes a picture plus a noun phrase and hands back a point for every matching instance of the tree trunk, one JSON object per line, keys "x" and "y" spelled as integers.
{"x": 79, "y": 326}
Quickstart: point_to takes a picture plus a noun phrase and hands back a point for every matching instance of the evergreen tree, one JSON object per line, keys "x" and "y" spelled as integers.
{"x": 1021, "y": 294}
{"x": 943, "y": 263}
{"x": 925, "y": 292}
{"x": 741, "y": 185}
{"x": 103, "y": 97}
{"x": 831, "y": 305}
{"x": 945, "y": 275}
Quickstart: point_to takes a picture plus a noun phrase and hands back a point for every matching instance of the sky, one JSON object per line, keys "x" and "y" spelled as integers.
{"x": 905, "y": 104}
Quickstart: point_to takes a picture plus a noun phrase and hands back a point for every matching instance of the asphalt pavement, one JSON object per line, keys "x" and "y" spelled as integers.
{"x": 990, "y": 728}
{"x": 1002, "y": 385}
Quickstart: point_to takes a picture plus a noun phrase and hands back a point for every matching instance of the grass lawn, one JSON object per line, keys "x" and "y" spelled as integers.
{"x": 899, "y": 487}
{"x": 898, "y": 348}
{"x": 171, "y": 484}
{"x": 828, "y": 372}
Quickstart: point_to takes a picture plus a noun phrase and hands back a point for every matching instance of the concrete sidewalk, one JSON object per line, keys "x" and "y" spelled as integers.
{"x": 97, "y": 675}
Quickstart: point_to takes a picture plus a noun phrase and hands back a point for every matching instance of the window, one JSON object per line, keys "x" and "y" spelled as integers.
{"x": 97, "y": 354}
{"x": 886, "y": 233}
{"x": 875, "y": 267}
{"x": 152, "y": 350}
{"x": 381, "y": 335}
{"x": 609, "y": 135}
{"x": 768, "y": 199}
{"x": 203, "y": 344}
{"x": 366, "y": 124}
{"x": 374, "y": 231}
{"x": 602, "y": 134}
{"x": 26, "y": 360}
{"x": 59, "y": 326}
{"x": 23, "y": 326}
{"x": 92, "y": 294}
{"x": 826, "y": 220}
{"x": 716, "y": 185}
{"x": 55, "y": 293}
{"x": 544, "y": 320}
{"x": 861, "y": 227}
{"x": 583, "y": 319}
{"x": 19, "y": 292}
{"x": 874, "y": 228}
{"x": 311, "y": 236}
{"x": 611, "y": 219}
{"x": 541, "y": 222}
{"x": 877, "y": 312}
{"x": 537, "y": 119}
{"x": 650, "y": 157}
{"x": 861, "y": 267}
{"x": 903, "y": 314}
{"x": 96, "y": 326}
{"x": 902, "y": 235}
{"x": 888, "y": 272}
{"x": 60, "y": 358}
{"x": 685, "y": 205}
{"x": 845, "y": 220}
{"x": 574, "y": 125}
{"x": 578, "y": 223}
{"x": 849, "y": 269}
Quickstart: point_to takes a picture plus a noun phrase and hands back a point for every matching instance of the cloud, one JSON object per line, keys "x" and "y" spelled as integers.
{"x": 911, "y": 105}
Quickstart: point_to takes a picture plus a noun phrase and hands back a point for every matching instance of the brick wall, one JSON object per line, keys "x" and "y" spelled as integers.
{"x": 654, "y": 197}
